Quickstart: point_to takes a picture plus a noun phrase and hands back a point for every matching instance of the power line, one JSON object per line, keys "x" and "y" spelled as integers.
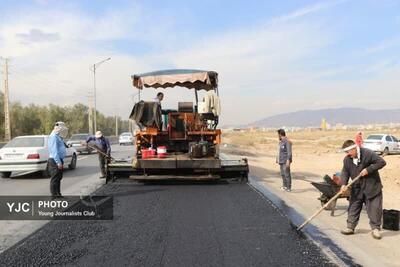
{"x": 43, "y": 78}
{"x": 35, "y": 83}
{"x": 40, "y": 80}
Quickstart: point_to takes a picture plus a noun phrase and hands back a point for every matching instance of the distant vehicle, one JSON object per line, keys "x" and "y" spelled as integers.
{"x": 382, "y": 143}
{"x": 78, "y": 141}
{"x": 30, "y": 153}
{"x": 126, "y": 138}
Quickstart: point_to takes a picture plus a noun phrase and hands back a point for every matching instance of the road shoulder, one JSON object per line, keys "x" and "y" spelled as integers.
{"x": 303, "y": 199}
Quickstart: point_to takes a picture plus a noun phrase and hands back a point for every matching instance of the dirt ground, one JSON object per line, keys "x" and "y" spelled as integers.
{"x": 315, "y": 153}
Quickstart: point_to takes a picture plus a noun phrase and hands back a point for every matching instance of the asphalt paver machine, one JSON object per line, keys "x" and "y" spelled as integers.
{"x": 178, "y": 144}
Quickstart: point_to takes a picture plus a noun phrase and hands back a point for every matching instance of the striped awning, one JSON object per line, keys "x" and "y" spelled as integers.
{"x": 192, "y": 79}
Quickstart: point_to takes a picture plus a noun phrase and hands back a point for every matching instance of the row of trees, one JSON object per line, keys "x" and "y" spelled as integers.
{"x": 36, "y": 119}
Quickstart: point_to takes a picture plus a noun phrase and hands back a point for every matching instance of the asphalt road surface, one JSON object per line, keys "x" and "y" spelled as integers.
{"x": 172, "y": 224}
{"x": 24, "y": 183}
{"x": 81, "y": 181}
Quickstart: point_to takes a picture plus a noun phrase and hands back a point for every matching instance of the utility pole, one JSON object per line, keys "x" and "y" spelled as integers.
{"x": 94, "y": 97}
{"x": 7, "y": 128}
{"x": 116, "y": 125}
{"x": 90, "y": 113}
{"x": 93, "y": 68}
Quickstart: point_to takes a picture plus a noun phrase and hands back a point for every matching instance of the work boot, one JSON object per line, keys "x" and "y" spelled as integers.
{"x": 347, "y": 231}
{"x": 376, "y": 234}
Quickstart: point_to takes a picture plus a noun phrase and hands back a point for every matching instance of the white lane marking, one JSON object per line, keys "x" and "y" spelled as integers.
{"x": 81, "y": 158}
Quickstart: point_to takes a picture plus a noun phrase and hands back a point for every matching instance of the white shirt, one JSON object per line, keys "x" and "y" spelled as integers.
{"x": 357, "y": 160}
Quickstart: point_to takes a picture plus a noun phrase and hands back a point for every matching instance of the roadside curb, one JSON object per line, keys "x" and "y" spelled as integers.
{"x": 327, "y": 246}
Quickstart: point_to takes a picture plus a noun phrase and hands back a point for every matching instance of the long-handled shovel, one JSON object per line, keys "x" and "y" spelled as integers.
{"x": 327, "y": 203}
{"x": 101, "y": 152}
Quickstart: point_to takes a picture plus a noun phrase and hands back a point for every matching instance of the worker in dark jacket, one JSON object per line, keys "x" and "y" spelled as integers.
{"x": 284, "y": 160}
{"x": 103, "y": 145}
{"x": 368, "y": 189}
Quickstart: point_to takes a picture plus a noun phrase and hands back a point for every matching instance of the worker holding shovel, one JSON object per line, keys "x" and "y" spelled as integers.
{"x": 104, "y": 150}
{"x": 368, "y": 189}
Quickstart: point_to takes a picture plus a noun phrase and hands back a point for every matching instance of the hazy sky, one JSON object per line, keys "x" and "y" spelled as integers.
{"x": 271, "y": 56}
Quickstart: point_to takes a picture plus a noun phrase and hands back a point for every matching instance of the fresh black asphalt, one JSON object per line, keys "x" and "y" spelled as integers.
{"x": 172, "y": 224}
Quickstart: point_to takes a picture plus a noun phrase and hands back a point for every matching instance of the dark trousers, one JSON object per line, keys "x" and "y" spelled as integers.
{"x": 374, "y": 211}
{"x": 55, "y": 178}
{"x": 286, "y": 176}
{"x": 102, "y": 164}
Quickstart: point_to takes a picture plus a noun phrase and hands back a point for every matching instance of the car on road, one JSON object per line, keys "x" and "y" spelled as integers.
{"x": 30, "y": 153}
{"x": 78, "y": 141}
{"x": 382, "y": 143}
{"x": 126, "y": 138}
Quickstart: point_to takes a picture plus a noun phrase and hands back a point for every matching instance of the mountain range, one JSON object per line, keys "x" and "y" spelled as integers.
{"x": 313, "y": 118}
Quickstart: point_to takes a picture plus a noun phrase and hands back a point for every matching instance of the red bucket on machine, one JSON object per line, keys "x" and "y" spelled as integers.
{"x": 148, "y": 153}
{"x": 161, "y": 151}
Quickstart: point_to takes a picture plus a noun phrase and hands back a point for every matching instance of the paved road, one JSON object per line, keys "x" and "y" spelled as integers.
{"x": 81, "y": 181}
{"x": 34, "y": 184}
{"x": 191, "y": 224}
{"x": 224, "y": 224}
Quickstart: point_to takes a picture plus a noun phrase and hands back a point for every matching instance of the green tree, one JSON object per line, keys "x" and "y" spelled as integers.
{"x": 35, "y": 119}
{"x": 76, "y": 117}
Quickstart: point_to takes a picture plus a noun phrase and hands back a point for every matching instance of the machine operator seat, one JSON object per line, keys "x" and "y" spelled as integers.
{"x": 147, "y": 114}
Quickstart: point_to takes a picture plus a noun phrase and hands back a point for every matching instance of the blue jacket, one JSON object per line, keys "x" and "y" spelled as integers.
{"x": 101, "y": 143}
{"x": 57, "y": 149}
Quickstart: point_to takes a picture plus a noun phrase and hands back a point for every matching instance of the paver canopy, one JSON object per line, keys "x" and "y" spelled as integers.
{"x": 192, "y": 79}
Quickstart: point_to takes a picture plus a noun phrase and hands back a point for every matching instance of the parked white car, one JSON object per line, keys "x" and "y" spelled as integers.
{"x": 382, "y": 143}
{"x": 126, "y": 138}
{"x": 30, "y": 153}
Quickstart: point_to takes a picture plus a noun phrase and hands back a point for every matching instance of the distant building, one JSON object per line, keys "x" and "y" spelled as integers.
{"x": 324, "y": 125}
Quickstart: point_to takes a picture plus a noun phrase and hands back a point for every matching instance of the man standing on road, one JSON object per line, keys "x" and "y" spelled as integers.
{"x": 284, "y": 160}
{"x": 368, "y": 189}
{"x": 57, "y": 154}
{"x": 103, "y": 145}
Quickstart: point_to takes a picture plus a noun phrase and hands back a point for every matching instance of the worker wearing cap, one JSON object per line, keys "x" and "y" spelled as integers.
{"x": 367, "y": 190}
{"x": 57, "y": 154}
{"x": 103, "y": 145}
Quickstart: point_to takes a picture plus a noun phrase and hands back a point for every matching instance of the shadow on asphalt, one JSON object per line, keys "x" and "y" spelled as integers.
{"x": 83, "y": 170}
{"x": 182, "y": 182}
{"x": 274, "y": 174}
{"x": 390, "y": 233}
{"x": 31, "y": 175}
{"x": 38, "y": 175}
